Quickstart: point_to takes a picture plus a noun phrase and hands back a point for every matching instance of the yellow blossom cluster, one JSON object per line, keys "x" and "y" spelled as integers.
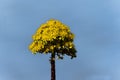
{"x": 52, "y": 36}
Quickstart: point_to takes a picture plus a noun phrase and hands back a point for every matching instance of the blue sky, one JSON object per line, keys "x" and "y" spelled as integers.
{"x": 96, "y": 24}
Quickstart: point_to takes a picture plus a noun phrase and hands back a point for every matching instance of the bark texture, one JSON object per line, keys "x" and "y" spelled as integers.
{"x": 52, "y": 61}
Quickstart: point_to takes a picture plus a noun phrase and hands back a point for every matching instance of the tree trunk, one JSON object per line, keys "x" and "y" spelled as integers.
{"x": 52, "y": 61}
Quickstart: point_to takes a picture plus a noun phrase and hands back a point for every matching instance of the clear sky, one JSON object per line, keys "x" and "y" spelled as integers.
{"x": 96, "y": 24}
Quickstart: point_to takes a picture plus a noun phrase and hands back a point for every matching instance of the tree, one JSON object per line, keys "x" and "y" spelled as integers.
{"x": 55, "y": 38}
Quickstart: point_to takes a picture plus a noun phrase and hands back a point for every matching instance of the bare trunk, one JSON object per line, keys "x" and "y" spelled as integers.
{"x": 52, "y": 61}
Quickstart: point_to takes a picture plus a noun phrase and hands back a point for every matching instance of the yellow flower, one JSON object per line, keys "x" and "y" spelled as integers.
{"x": 51, "y": 47}
{"x": 52, "y": 30}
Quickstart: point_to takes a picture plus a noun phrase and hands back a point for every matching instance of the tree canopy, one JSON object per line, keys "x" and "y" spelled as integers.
{"x": 53, "y": 37}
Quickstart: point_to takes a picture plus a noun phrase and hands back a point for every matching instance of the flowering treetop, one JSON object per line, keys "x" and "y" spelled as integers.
{"x": 53, "y": 37}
